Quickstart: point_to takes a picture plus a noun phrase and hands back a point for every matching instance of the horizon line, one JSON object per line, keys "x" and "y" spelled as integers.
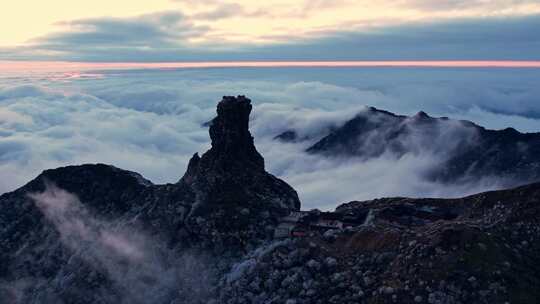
{"x": 6, "y": 65}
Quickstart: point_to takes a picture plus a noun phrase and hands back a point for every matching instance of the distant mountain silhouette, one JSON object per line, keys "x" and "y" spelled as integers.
{"x": 464, "y": 150}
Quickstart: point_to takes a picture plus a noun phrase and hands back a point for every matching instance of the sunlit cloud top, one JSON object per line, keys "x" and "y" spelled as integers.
{"x": 188, "y": 30}
{"x": 264, "y": 21}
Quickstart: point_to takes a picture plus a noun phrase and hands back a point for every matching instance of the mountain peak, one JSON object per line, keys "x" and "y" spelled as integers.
{"x": 232, "y": 142}
{"x": 230, "y": 177}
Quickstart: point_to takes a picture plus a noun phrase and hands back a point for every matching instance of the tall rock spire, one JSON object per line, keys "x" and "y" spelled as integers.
{"x": 232, "y": 143}
{"x": 229, "y": 179}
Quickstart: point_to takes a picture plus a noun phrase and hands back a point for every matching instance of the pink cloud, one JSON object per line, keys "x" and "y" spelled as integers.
{"x": 62, "y": 66}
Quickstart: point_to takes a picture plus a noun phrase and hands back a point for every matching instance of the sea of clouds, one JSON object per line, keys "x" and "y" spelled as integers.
{"x": 151, "y": 121}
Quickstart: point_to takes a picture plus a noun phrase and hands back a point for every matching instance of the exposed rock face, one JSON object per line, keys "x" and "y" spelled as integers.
{"x": 465, "y": 151}
{"x": 233, "y": 151}
{"x": 232, "y": 143}
{"x": 234, "y": 194}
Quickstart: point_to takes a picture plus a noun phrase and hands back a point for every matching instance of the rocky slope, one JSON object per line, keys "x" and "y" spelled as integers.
{"x": 479, "y": 249}
{"x": 60, "y": 233}
{"x": 464, "y": 151}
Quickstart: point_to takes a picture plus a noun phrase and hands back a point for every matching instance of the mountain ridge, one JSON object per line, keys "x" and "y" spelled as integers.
{"x": 464, "y": 150}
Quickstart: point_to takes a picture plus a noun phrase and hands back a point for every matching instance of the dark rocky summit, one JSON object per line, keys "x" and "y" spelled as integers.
{"x": 464, "y": 150}
{"x": 99, "y": 234}
{"x": 225, "y": 204}
{"x": 233, "y": 192}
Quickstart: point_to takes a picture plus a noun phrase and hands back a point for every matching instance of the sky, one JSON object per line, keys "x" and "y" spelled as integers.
{"x": 293, "y": 30}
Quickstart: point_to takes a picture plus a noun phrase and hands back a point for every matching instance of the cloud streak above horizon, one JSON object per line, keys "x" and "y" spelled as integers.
{"x": 177, "y": 36}
{"x": 245, "y": 20}
{"x": 74, "y": 67}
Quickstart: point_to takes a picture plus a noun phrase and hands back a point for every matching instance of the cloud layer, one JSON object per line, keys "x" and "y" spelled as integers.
{"x": 150, "y": 121}
{"x": 245, "y": 20}
{"x": 174, "y": 36}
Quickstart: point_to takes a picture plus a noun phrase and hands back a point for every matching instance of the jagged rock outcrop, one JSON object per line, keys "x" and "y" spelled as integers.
{"x": 234, "y": 193}
{"x": 464, "y": 151}
{"x": 92, "y": 233}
